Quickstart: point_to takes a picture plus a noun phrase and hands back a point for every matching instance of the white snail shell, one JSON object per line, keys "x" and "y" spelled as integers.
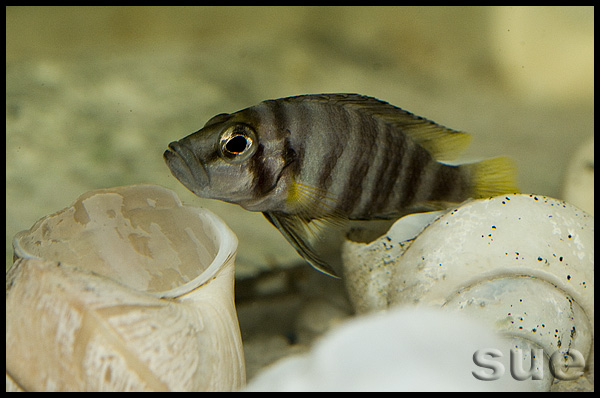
{"x": 125, "y": 290}
{"x": 402, "y": 349}
{"x": 524, "y": 264}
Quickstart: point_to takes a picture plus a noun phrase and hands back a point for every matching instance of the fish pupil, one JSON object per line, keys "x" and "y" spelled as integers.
{"x": 236, "y": 144}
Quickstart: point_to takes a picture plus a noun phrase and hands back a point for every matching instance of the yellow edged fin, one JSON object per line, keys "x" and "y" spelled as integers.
{"x": 442, "y": 143}
{"x": 298, "y": 233}
{"x": 493, "y": 177}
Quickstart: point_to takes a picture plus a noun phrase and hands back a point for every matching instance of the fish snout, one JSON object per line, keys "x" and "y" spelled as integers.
{"x": 186, "y": 167}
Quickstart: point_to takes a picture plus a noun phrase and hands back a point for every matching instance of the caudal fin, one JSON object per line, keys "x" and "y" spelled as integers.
{"x": 493, "y": 177}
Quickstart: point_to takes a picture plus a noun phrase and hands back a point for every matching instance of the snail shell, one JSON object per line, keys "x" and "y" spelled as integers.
{"x": 524, "y": 264}
{"x": 402, "y": 349}
{"x": 125, "y": 290}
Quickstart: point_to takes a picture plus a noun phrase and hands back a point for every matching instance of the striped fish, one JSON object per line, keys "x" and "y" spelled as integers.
{"x": 315, "y": 160}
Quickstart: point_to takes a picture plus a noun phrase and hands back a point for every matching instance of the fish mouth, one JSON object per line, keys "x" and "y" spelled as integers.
{"x": 186, "y": 167}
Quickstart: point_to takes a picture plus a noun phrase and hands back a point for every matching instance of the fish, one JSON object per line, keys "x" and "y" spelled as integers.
{"x": 320, "y": 162}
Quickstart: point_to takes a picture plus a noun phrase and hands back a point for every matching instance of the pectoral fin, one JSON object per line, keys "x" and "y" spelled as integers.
{"x": 302, "y": 234}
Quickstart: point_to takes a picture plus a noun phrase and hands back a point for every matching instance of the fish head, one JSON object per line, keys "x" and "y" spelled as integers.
{"x": 235, "y": 160}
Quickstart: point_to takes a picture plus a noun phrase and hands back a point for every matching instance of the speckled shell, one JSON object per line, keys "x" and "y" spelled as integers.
{"x": 126, "y": 290}
{"x": 522, "y": 263}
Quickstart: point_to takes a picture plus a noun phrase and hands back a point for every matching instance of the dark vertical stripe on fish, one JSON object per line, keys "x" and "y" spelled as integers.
{"x": 298, "y": 119}
{"x": 350, "y": 170}
{"x": 427, "y": 183}
{"x": 448, "y": 185}
{"x": 263, "y": 178}
{"x": 290, "y": 157}
{"x": 277, "y": 117}
{"x": 419, "y": 160}
{"x": 334, "y": 135}
{"x": 367, "y": 132}
{"x": 392, "y": 171}
{"x": 371, "y": 178}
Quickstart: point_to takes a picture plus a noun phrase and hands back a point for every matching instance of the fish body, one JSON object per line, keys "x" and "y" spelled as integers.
{"x": 329, "y": 158}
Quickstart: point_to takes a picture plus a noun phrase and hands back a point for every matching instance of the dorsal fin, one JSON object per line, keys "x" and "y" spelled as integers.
{"x": 442, "y": 143}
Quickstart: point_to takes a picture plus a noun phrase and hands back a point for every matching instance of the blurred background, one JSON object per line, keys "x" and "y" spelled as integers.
{"x": 95, "y": 94}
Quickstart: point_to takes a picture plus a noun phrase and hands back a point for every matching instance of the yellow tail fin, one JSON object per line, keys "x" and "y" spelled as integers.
{"x": 493, "y": 177}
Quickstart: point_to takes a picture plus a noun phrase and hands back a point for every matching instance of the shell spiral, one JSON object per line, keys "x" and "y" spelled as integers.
{"x": 522, "y": 264}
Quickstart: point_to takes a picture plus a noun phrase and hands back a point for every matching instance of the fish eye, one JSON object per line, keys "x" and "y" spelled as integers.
{"x": 237, "y": 143}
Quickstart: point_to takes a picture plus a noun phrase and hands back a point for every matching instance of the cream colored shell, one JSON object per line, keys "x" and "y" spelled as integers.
{"x": 126, "y": 290}
{"x": 523, "y": 264}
